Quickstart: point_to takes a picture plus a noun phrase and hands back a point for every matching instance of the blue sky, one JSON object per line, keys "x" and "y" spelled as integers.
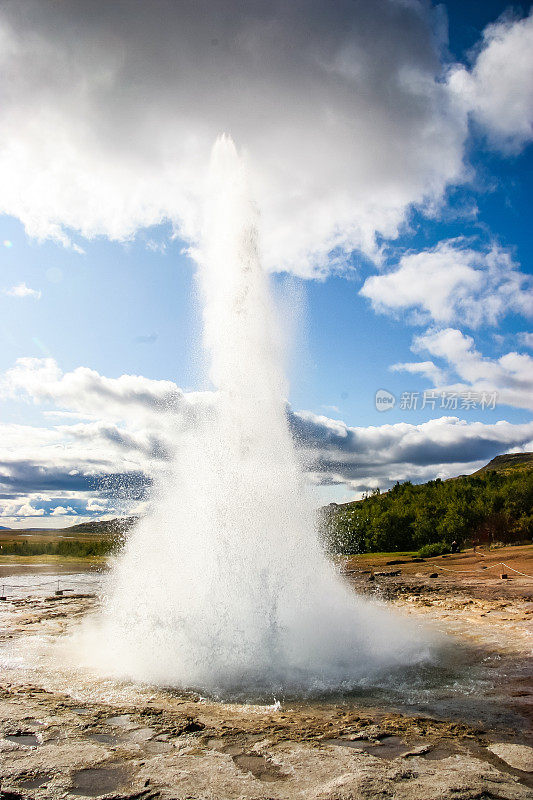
{"x": 92, "y": 284}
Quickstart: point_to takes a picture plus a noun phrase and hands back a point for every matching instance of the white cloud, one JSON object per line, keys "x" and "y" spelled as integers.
{"x": 59, "y": 508}
{"x": 511, "y": 375}
{"x": 453, "y": 282}
{"x": 85, "y": 391}
{"x": 109, "y": 114}
{"x": 380, "y": 455}
{"x": 21, "y": 290}
{"x": 103, "y": 467}
{"x": 498, "y": 91}
{"x": 61, "y": 511}
{"x": 348, "y": 115}
{"x": 19, "y": 508}
{"x": 425, "y": 368}
{"x": 99, "y": 506}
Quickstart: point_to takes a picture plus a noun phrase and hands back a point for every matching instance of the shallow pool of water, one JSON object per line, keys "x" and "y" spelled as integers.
{"x": 465, "y": 680}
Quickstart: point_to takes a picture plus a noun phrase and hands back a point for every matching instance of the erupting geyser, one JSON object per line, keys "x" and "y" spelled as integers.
{"x": 224, "y": 587}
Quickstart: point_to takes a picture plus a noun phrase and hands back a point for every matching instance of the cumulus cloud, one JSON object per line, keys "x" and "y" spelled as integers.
{"x": 510, "y": 376}
{"x": 498, "y": 91}
{"x": 109, "y": 114}
{"x": 75, "y": 506}
{"x": 453, "y": 282}
{"x": 85, "y": 391}
{"x": 436, "y": 442}
{"x": 13, "y": 508}
{"x": 21, "y": 290}
{"x": 106, "y": 466}
{"x": 348, "y": 115}
{"x": 110, "y": 438}
{"x": 61, "y": 511}
{"x": 428, "y": 369}
{"x": 377, "y": 456}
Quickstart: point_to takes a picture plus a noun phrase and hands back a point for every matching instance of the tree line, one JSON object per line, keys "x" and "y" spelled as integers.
{"x": 77, "y": 548}
{"x": 489, "y": 507}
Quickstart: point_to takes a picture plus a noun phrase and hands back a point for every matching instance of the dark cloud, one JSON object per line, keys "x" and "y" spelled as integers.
{"x": 143, "y": 432}
{"x": 24, "y": 477}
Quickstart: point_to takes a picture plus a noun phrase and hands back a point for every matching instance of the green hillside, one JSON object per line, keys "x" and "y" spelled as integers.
{"x": 495, "y": 504}
{"x": 104, "y": 527}
{"x": 509, "y": 463}
{"x": 95, "y": 539}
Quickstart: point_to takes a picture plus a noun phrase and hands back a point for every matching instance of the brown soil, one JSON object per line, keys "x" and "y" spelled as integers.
{"x": 476, "y": 572}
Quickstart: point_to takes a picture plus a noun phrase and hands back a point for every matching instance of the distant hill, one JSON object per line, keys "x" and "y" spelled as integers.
{"x": 96, "y": 539}
{"x": 493, "y": 504}
{"x": 93, "y": 529}
{"x": 509, "y": 463}
{"x": 103, "y": 527}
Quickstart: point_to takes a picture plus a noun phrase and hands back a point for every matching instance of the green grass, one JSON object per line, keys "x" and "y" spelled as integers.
{"x": 512, "y": 462}
{"x": 434, "y": 549}
{"x": 392, "y": 554}
{"x": 71, "y": 548}
{"x": 12, "y": 561}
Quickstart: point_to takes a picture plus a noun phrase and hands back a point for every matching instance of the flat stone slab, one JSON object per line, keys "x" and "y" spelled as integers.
{"x": 518, "y": 756}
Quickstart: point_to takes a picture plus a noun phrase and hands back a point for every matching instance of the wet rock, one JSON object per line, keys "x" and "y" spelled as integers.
{"x": 191, "y": 725}
{"x": 156, "y": 748}
{"x": 35, "y": 781}
{"x": 24, "y": 738}
{"x": 390, "y": 574}
{"x": 104, "y": 738}
{"x": 421, "y": 750}
{"x": 518, "y": 756}
{"x": 92, "y": 782}
{"x": 120, "y": 721}
{"x": 285, "y": 754}
{"x": 260, "y": 767}
{"x": 142, "y": 735}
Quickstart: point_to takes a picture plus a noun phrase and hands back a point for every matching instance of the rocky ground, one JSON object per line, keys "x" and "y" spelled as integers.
{"x": 61, "y": 741}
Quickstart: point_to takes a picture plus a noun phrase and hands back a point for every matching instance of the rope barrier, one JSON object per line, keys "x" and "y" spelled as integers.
{"x": 447, "y": 569}
{"x": 478, "y": 569}
{"x": 516, "y": 570}
{"x": 62, "y": 584}
{"x": 83, "y": 578}
{"x": 28, "y": 585}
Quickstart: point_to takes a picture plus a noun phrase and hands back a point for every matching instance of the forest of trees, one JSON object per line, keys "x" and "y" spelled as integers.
{"x": 77, "y": 548}
{"x": 488, "y": 507}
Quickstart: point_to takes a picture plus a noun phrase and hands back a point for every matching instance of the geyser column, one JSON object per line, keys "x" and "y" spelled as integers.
{"x": 224, "y": 586}
{"x": 262, "y": 519}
